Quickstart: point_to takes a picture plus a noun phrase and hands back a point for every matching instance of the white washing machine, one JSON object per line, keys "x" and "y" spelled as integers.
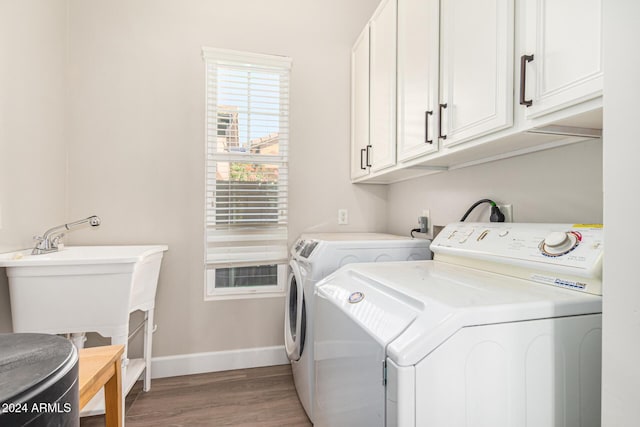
{"x": 501, "y": 329}
{"x": 313, "y": 257}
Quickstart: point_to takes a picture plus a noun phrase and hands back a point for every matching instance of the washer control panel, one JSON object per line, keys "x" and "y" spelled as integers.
{"x": 565, "y": 249}
{"x": 298, "y": 245}
{"x": 304, "y": 248}
{"x": 308, "y": 248}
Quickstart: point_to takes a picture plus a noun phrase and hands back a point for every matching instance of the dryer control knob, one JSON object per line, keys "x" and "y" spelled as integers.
{"x": 559, "y": 243}
{"x": 555, "y": 239}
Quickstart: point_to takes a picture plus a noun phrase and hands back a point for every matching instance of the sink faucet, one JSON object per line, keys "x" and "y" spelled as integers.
{"x": 50, "y": 239}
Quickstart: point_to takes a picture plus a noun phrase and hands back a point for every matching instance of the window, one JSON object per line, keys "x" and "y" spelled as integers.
{"x": 247, "y": 139}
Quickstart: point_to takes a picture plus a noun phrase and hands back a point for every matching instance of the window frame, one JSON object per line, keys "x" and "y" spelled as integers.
{"x": 268, "y": 236}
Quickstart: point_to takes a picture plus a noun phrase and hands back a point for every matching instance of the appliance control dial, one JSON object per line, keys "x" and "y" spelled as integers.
{"x": 556, "y": 239}
{"x": 559, "y": 243}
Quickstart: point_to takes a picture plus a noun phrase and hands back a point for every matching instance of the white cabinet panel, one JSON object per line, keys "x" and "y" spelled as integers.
{"x": 383, "y": 87}
{"x": 418, "y": 58}
{"x": 436, "y": 82}
{"x": 476, "y": 68}
{"x": 360, "y": 105}
{"x": 564, "y": 37}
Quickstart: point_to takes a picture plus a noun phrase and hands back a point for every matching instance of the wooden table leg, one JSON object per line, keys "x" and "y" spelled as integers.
{"x": 113, "y": 397}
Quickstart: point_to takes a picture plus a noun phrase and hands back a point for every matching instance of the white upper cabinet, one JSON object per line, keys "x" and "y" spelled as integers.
{"x": 360, "y": 149}
{"x": 472, "y": 81}
{"x": 476, "y": 68}
{"x": 562, "y": 58}
{"x": 418, "y": 59}
{"x": 382, "y": 110}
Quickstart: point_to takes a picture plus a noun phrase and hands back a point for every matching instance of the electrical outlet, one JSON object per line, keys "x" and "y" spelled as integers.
{"x": 427, "y": 214}
{"x": 343, "y": 217}
{"x": 507, "y": 211}
{"x": 423, "y": 223}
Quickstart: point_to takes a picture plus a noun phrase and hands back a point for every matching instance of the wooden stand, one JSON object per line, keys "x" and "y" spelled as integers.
{"x": 101, "y": 367}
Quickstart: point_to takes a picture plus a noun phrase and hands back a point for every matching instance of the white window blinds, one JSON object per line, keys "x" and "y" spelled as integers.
{"x": 247, "y": 141}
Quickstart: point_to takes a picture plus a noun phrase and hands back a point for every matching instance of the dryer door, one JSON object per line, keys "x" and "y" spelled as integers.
{"x": 293, "y": 321}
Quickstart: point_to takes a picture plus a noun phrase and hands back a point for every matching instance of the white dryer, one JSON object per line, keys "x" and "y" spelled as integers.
{"x": 313, "y": 257}
{"x": 501, "y": 329}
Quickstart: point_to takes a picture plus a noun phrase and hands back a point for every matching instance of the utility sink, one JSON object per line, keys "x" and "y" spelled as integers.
{"x": 80, "y": 289}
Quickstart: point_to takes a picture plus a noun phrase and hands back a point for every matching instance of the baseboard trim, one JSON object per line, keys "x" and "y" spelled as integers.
{"x": 215, "y": 361}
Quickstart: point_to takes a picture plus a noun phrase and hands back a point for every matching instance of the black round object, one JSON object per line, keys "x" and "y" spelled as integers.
{"x": 38, "y": 381}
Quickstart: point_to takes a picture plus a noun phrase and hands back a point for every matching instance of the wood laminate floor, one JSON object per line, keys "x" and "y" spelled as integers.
{"x": 246, "y": 397}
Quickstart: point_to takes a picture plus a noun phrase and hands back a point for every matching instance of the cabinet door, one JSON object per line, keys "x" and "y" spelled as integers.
{"x": 360, "y": 105}
{"x": 564, "y": 37}
{"x": 383, "y": 87}
{"x": 418, "y": 44}
{"x": 476, "y": 68}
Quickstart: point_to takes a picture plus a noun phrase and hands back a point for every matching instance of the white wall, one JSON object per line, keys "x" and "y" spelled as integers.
{"x": 621, "y": 315}
{"x": 136, "y": 140}
{"x": 32, "y": 144}
{"x": 562, "y": 185}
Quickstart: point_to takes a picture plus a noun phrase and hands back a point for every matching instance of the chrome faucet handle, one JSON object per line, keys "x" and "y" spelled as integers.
{"x": 41, "y": 246}
{"x": 56, "y": 240}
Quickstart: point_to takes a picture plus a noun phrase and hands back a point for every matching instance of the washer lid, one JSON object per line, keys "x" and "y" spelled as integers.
{"x": 29, "y": 361}
{"x": 445, "y": 298}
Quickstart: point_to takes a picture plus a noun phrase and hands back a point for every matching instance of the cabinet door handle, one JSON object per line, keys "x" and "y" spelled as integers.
{"x": 368, "y": 163}
{"x": 442, "y": 108}
{"x": 523, "y": 80}
{"x": 426, "y": 127}
{"x": 362, "y": 158}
